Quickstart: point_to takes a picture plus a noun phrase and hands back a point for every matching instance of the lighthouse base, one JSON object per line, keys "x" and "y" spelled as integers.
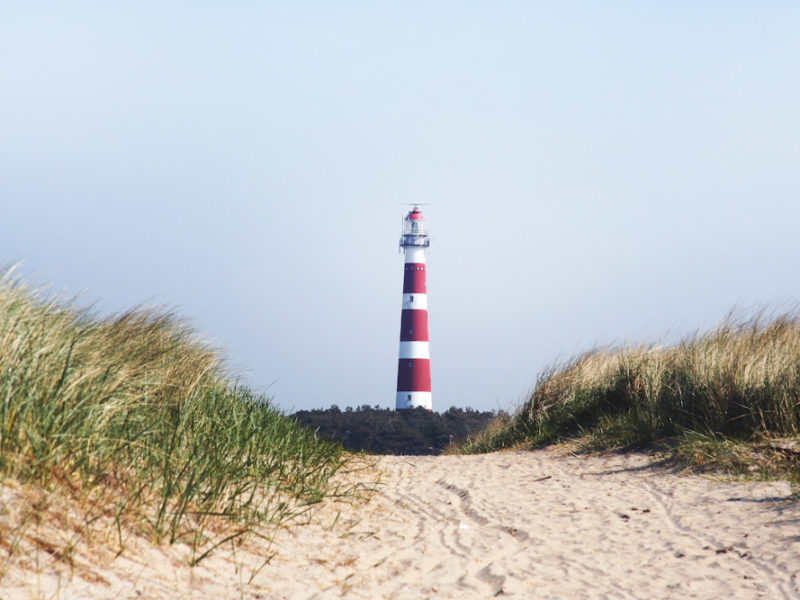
{"x": 414, "y": 400}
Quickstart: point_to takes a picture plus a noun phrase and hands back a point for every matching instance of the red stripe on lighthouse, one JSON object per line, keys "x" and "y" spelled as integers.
{"x": 414, "y": 375}
{"x": 414, "y": 326}
{"x": 414, "y": 278}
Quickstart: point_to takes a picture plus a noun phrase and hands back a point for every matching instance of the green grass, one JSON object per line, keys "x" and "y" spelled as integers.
{"x": 135, "y": 417}
{"x": 739, "y": 382}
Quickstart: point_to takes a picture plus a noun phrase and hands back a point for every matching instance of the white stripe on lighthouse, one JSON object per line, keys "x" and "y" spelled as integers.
{"x": 415, "y": 350}
{"x": 415, "y": 301}
{"x": 414, "y": 255}
{"x": 413, "y": 400}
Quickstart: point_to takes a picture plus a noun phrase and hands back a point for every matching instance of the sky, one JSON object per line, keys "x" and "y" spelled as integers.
{"x": 595, "y": 174}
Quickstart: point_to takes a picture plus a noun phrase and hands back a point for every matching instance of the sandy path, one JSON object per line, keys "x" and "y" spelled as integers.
{"x": 527, "y": 524}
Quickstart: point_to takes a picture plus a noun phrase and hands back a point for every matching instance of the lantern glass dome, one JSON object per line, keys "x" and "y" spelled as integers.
{"x": 414, "y": 224}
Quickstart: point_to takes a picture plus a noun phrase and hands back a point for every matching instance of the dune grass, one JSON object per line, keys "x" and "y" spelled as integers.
{"x": 739, "y": 382}
{"x": 136, "y": 419}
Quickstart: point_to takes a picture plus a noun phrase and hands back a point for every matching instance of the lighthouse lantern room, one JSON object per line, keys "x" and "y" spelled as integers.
{"x": 414, "y": 364}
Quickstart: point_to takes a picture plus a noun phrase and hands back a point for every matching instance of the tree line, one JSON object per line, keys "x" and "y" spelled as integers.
{"x": 386, "y": 431}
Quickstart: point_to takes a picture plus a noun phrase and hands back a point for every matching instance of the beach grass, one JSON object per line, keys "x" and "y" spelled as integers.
{"x": 136, "y": 420}
{"x": 736, "y": 384}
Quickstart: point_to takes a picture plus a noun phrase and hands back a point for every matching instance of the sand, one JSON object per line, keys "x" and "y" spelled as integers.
{"x": 540, "y": 524}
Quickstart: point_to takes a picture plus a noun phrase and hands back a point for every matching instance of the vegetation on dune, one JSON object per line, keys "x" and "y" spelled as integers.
{"x": 135, "y": 419}
{"x": 738, "y": 383}
{"x": 387, "y": 431}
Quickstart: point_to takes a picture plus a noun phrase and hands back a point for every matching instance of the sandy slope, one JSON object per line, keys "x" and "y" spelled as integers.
{"x": 527, "y": 524}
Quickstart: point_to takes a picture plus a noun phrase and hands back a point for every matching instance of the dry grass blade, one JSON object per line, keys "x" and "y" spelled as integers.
{"x": 134, "y": 416}
{"x": 739, "y": 381}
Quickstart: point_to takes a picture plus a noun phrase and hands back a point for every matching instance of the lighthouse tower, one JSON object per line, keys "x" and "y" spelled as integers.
{"x": 414, "y": 366}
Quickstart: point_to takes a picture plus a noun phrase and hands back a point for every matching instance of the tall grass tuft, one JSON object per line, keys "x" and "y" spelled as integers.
{"x": 137, "y": 410}
{"x": 741, "y": 380}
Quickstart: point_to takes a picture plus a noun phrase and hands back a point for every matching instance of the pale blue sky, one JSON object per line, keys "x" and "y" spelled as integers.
{"x": 597, "y": 172}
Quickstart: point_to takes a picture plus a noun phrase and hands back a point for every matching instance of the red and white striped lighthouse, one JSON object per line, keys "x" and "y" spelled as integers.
{"x": 414, "y": 365}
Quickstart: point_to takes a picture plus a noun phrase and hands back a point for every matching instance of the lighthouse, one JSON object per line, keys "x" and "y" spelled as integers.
{"x": 414, "y": 364}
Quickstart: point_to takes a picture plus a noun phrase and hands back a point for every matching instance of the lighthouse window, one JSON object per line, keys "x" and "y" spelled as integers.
{"x": 411, "y": 299}
{"x": 409, "y": 364}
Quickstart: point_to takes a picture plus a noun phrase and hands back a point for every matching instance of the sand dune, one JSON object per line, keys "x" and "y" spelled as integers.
{"x": 540, "y": 524}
